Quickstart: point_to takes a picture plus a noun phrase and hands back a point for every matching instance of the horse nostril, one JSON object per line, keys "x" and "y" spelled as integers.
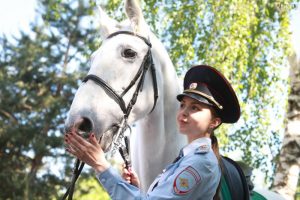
{"x": 85, "y": 127}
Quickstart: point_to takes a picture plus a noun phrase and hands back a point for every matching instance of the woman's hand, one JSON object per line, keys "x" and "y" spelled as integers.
{"x": 130, "y": 176}
{"x": 89, "y": 151}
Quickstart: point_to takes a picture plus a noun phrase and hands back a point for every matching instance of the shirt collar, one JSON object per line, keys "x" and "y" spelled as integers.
{"x": 196, "y": 144}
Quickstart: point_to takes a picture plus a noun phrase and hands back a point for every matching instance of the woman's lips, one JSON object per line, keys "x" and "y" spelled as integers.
{"x": 182, "y": 123}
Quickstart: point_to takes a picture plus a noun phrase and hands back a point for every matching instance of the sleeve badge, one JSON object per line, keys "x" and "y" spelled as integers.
{"x": 186, "y": 181}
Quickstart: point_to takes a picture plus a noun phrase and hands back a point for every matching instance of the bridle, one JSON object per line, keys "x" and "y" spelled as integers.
{"x": 146, "y": 64}
{"x": 118, "y": 98}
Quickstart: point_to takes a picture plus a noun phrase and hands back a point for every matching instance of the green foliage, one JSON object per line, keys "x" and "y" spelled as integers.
{"x": 33, "y": 107}
{"x": 90, "y": 189}
{"x": 40, "y": 71}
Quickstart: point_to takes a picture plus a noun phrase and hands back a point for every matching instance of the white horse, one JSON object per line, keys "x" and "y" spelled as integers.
{"x": 117, "y": 62}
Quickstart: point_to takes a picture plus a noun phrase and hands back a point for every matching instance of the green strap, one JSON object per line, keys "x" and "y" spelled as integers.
{"x": 225, "y": 193}
{"x": 257, "y": 196}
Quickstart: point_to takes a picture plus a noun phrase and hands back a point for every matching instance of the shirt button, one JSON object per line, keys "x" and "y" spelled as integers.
{"x": 103, "y": 180}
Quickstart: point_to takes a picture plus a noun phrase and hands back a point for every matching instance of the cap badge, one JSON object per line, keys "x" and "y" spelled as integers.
{"x": 193, "y": 86}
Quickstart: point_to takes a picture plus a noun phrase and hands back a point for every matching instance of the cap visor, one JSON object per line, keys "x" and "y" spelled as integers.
{"x": 195, "y": 97}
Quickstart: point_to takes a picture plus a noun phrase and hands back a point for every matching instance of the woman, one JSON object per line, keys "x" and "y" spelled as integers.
{"x": 207, "y": 101}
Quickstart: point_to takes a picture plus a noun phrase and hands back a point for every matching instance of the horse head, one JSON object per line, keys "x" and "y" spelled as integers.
{"x": 120, "y": 71}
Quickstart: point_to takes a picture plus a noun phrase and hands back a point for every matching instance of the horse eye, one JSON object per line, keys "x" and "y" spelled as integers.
{"x": 129, "y": 53}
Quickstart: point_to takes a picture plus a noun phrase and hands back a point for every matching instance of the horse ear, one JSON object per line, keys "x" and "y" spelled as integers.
{"x": 134, "y": 13}
{"x": 107, "y": 25}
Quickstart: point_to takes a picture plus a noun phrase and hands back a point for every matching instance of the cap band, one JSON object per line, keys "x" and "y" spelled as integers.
{"x": 210, "y": 98}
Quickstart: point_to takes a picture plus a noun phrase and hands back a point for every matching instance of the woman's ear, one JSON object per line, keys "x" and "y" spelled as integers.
{"x": 215, "y": 122}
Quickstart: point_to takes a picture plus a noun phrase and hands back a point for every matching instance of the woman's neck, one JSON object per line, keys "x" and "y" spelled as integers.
{"x": 191, "y": 138}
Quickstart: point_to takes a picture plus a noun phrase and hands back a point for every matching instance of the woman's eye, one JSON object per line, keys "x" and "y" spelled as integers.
{"x": 195, "y": 108}
{"x": 129, "y": 53}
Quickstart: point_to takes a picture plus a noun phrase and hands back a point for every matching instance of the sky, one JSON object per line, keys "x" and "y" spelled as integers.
{"x": 295, "y": 28}
{"x": 17, "y": 14}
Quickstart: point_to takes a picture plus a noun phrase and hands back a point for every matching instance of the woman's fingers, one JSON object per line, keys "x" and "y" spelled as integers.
{"x": 78, "y": 141}
{"x": 88, "y": 151}
{"x": 70, "y": 150}
{"x": 75, "y": 152}
{"x": 93, "y": 139}
{"x": 130, "y": 176}
{"x": 127, "y": 178}
{"x": 134, "y": 179}
{"x": 126, "y": 174}
{"x": 76, "y": 145}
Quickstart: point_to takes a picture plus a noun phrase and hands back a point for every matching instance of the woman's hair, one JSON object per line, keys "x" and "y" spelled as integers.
{"x": 214, "y": 140}
{"x": 215, "y": 148}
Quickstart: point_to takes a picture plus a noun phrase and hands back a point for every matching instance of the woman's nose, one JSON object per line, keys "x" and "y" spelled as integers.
{"x": 184, "y": 112}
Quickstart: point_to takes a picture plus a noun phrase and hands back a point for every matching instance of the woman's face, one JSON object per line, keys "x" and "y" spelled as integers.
{"x": 194, "y": 118}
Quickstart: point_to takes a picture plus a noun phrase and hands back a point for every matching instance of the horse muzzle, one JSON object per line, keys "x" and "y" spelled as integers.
{"x": 84, "y": 127}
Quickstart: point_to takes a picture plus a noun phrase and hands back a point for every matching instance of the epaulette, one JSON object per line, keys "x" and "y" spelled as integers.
{"x": 203, "y": 148}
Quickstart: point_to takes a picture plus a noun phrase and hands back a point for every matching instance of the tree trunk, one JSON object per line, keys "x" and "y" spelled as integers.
{"x": 288, "y": 166}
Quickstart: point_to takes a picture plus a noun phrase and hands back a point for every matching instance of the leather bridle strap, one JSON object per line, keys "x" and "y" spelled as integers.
{"x": 76, "y": 172}
{"x": 108, "y": 89}
{"x": 130, "y": 33}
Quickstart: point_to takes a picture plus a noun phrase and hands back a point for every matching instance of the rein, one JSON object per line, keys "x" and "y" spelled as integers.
{"x": 140, "y": 75}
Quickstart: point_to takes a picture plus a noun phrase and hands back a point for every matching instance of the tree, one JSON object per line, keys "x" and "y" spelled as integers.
{"x": 288, "y": 165}
{"x": 37, "y": 87}
{"x": 31, "y": 96}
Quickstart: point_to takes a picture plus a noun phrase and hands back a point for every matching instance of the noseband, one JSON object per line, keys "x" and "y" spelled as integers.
{"x": 118, "y": 98}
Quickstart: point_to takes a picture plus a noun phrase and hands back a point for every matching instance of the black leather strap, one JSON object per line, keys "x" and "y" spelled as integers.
{"x": 107, "y": 88}
{"x": 130, "y": 33}
{"x": 235, "y": 178}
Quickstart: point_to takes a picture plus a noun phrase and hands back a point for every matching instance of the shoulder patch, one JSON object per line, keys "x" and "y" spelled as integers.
{"x": 186, "y": 181}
